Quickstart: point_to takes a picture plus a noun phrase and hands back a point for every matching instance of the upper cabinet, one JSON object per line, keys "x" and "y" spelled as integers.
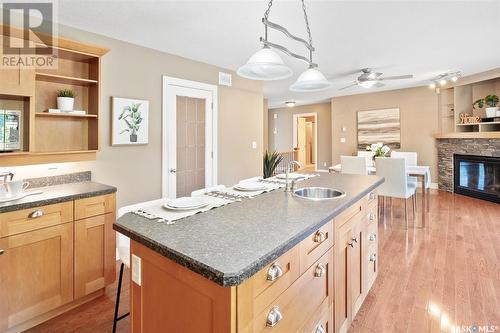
{"x": 52, "y": 137}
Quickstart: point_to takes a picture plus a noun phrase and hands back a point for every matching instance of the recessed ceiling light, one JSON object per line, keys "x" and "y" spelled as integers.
{"x": 454, "y": 78}
{"x": 290, "y": 104}
{"x": 432, "y": 85}
{"x": 442, "y": 82}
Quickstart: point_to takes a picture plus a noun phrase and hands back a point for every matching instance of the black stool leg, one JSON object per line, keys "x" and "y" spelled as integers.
{"x": 117, "y": 305}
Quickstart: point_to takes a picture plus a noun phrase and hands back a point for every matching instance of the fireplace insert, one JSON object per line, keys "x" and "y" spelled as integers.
{"x": 477, "y": 176}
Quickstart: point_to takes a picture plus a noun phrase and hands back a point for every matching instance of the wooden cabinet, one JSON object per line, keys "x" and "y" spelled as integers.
{"x": 48, "y": 261}
{"x": 36, "y": 273}
{"x": 94, "y": 206}
{"x": 94, "y": 254}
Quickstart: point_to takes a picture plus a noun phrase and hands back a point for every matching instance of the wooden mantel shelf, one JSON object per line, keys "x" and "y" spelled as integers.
{"x": 468, "y": 135}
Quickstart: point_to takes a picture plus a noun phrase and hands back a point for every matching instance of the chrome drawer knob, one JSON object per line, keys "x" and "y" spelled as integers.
{"x": 274, "y": 272}
{"x": 371, "y": 216}
{"x": 351, "y": 244}
{"x": 373, "y": 257}
{"x": 372, "y": 237}
{"x": 319, "y": 237}
{"x": 274, "y": 316}
{"x": 354, "y": 240}
{"x": 320, "y": 329}
{"x": 35, "y": 214}
{"x": 320, "y": 270}
{"x": 1, "y": 252}
{"x": 372, "y": 195}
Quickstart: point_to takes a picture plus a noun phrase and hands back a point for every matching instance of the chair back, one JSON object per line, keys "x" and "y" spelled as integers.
{"x": 410, "y": 157}
{"x": 368, "y": 155}
{"x": 394, "y": 172}
{"x": 353, "y": 164}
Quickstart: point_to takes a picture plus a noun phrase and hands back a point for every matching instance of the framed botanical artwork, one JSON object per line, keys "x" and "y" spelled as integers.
{"x": 379, "y": 126}
{"x": 130, "y": 121}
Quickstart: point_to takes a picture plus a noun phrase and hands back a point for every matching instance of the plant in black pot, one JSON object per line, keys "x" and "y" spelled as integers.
{"x": 271, "y": 161}
{"x": 131, "y": 115}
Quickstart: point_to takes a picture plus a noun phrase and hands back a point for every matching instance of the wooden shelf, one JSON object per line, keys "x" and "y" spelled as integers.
{"x": 64, "y": 79}
{"x": 468, "y": 135}
{"x": 64, "y": 115}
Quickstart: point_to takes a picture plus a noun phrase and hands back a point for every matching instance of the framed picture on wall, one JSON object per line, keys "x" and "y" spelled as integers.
{"x": 130, "y": 121}
{"x": 381, "y": 125}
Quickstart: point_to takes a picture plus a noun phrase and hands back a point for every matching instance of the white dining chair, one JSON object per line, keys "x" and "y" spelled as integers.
{"x": 368, "y": 155}
{"x": 353, "y": 164}
{"x": 123, "y": 245}
{"x": 396, "y": 184}
{"x": 410, "y": 160}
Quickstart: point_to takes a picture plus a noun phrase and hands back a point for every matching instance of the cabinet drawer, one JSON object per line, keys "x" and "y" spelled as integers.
{"x": 349, "y": 213}
{"x": 321, "y": 321}
{"x": 274, "y": 279}
{"x": 292, "y": 309}
{"x": 314, "y": 246}
{"x": 94, "y": 206}
{"x": 16, "y": 222}
{"x": 371, "y": 197}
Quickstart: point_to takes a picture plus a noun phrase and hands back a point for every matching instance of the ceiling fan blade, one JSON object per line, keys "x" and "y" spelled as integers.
{"x": 398, "y": 77}
{"x": 349, "y": 86}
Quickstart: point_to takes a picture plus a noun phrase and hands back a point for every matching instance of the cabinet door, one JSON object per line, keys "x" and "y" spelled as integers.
{"x": 36, "y": 273}
{"x": 95, "y": 257}
{"x": 357, "y": 265}
{"x": 342, "y": 278}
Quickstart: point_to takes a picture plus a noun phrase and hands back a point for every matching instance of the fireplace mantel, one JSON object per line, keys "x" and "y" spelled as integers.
{"x": 468, "y": 135}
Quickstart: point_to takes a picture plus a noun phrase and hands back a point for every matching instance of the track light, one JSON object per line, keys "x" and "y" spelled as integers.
{"x": 442, "y": 82}
{"x": 454, "y": 78}
{"x": 443, "y": 79}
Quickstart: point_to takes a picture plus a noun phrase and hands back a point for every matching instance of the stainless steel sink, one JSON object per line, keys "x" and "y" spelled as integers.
{"x": 318, "y": 193}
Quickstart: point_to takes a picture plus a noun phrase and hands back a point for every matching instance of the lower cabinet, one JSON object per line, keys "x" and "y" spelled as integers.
{"x": 36, "y": 273}
{"x": 94, "y": 254}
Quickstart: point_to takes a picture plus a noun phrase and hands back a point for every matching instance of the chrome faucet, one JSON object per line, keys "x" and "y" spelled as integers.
{"x": 291, "y": 187}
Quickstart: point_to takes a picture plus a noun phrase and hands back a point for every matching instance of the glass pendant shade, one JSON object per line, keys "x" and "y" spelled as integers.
{"x": 265, "y": 65}
{"x": 368, "y": 84}
{"x": 311, "y": 80}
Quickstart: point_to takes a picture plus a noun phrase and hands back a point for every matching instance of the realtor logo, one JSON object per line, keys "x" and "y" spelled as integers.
{"x": 29, "y": 29}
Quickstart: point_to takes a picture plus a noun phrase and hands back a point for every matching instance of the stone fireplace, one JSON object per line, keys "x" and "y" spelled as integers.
{"x": 446, "y": 148}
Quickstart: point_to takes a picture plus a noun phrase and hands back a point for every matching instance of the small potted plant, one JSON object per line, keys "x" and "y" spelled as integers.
{"x": 378, "y": 149}
{"x": 492, "y": 102}
{"x": 65, "y": 99}
{"x": 271, "y": 161}
{"x": 132, "y": 117}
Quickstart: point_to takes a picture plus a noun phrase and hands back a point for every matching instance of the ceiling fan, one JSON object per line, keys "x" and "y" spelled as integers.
{"x": 369, "y": 79}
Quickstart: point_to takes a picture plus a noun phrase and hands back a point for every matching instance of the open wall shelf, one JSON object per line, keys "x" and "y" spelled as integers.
{"x": 55, "y": 137}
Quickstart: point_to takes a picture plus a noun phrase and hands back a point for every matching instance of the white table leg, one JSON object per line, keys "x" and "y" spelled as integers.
{"x": 424, "y": 197}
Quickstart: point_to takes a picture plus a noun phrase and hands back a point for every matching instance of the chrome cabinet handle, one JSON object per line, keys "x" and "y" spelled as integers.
{"x": 274, "y": 316}
{"x": 372, "y": 237}
{"x": 35, "y": 214}
{"x": 319, "y": 237}
{"x": 372, "y": 195}
{"x": 1, "y": 252}
{"x": 320, "y": 270}
{"x": 371, "y": 217}
{"x": 320, "y": 329}
{"x": 274, "y": 272}
{"x": 373, "y": 257}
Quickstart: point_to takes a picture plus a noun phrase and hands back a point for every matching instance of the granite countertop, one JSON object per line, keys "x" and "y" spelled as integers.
{"x": 229, "y": 244}
{"x": 57, "y": 193}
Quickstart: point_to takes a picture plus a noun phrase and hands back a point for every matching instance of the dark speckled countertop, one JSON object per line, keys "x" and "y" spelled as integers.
{"x": 229, "y": 244}
{"x": 57, "y": 193}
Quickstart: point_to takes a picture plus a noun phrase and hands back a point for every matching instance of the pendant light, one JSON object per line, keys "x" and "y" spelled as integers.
{"x": 266, "y": 64}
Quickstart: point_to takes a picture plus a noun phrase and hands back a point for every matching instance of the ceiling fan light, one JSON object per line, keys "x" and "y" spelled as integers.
{"x": 290, "y": 104}
{"x": 367, "y": 84}
{"x": 454, "y": 78}
{"x": 311, "y": 80}
{"x": 265, "y": 65}
{"x": 442, "y": 82}
{"x": 432, "y": 85}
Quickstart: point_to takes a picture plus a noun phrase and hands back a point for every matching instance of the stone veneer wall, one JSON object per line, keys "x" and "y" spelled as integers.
{"x": 447, "y": 147}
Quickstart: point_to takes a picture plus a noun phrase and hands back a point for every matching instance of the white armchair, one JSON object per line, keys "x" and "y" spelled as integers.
{"x": 353, "y": 164}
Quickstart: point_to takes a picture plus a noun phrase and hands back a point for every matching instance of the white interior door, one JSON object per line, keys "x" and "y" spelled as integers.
{"x": 189, "y": 137}
{"x": 301, "y": 140}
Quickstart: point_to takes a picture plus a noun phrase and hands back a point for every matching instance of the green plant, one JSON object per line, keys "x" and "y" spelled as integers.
{"x": 132, "y": 117}
{"x": 271, "y": 161}
{"x": 479, "y": 103}
{"x": 491, "y": 100}
{"x": 66, "y": 93}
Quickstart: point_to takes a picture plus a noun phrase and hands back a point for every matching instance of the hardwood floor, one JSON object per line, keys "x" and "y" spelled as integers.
{"x": 430, "y": 280}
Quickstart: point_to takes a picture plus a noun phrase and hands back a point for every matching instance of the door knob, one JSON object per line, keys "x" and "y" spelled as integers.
{"x": 1, "y": 251}
{"x": 172, "y": 170}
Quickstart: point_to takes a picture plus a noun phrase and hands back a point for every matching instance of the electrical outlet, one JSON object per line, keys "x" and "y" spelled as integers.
{"x": 136, "y": 269}
{"x": 342, "y": 140}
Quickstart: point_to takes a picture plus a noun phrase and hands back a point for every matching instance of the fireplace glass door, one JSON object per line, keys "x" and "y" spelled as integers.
{"x": 477, "y": 176}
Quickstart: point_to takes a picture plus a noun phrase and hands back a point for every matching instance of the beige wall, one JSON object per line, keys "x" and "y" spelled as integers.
{"x": 283, "y": 140}
{"x": 419, "y": 120}
{"x": 132, "y": 71}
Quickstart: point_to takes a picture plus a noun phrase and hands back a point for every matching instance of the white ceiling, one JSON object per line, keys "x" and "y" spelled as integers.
{"x": 424, "y": 38}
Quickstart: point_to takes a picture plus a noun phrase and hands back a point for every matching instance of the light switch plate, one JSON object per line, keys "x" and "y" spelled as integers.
{"x": 254, "y": 145}
{"x": 275, "y": 115}
{"x": 342, "y": 140}
{"x": 275, "y": 130}
{"x": 136, "y": 269}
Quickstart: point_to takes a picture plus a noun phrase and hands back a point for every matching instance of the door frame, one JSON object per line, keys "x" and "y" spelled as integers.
{"x": 294, "y": 132}
{"x": 169, "y": 123}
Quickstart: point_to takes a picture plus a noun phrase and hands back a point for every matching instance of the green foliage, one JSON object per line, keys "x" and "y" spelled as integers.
{"x": 491, "y": 100}
{"x": 271, "y": 161}
{"x": 479, "y": 103}
{"x": 66, "y": 93}
{"x": 132, "y": 117}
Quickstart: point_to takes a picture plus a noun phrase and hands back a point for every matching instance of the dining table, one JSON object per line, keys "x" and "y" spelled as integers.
{"x": 422, "y": 172}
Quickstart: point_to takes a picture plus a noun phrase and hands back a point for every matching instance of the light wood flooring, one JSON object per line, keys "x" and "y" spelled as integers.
{"x": 430, "y": 280}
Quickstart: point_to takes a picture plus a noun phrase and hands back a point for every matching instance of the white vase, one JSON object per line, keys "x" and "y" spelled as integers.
{"x": 498, "y": 113}
{"x": 491, "y": 112}
{"x": 65, "y": 103}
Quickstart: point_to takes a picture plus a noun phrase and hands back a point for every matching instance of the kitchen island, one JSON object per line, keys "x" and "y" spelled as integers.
{"x": 271, "y": 261}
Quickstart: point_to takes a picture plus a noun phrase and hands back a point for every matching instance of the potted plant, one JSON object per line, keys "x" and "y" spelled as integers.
{"x": 492, "y": 102}
{"x": 66, "y": 99}
{"x": 271, "y": 161}
{"x": 378, "y": 149}
{"x": 132, "y": 117}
